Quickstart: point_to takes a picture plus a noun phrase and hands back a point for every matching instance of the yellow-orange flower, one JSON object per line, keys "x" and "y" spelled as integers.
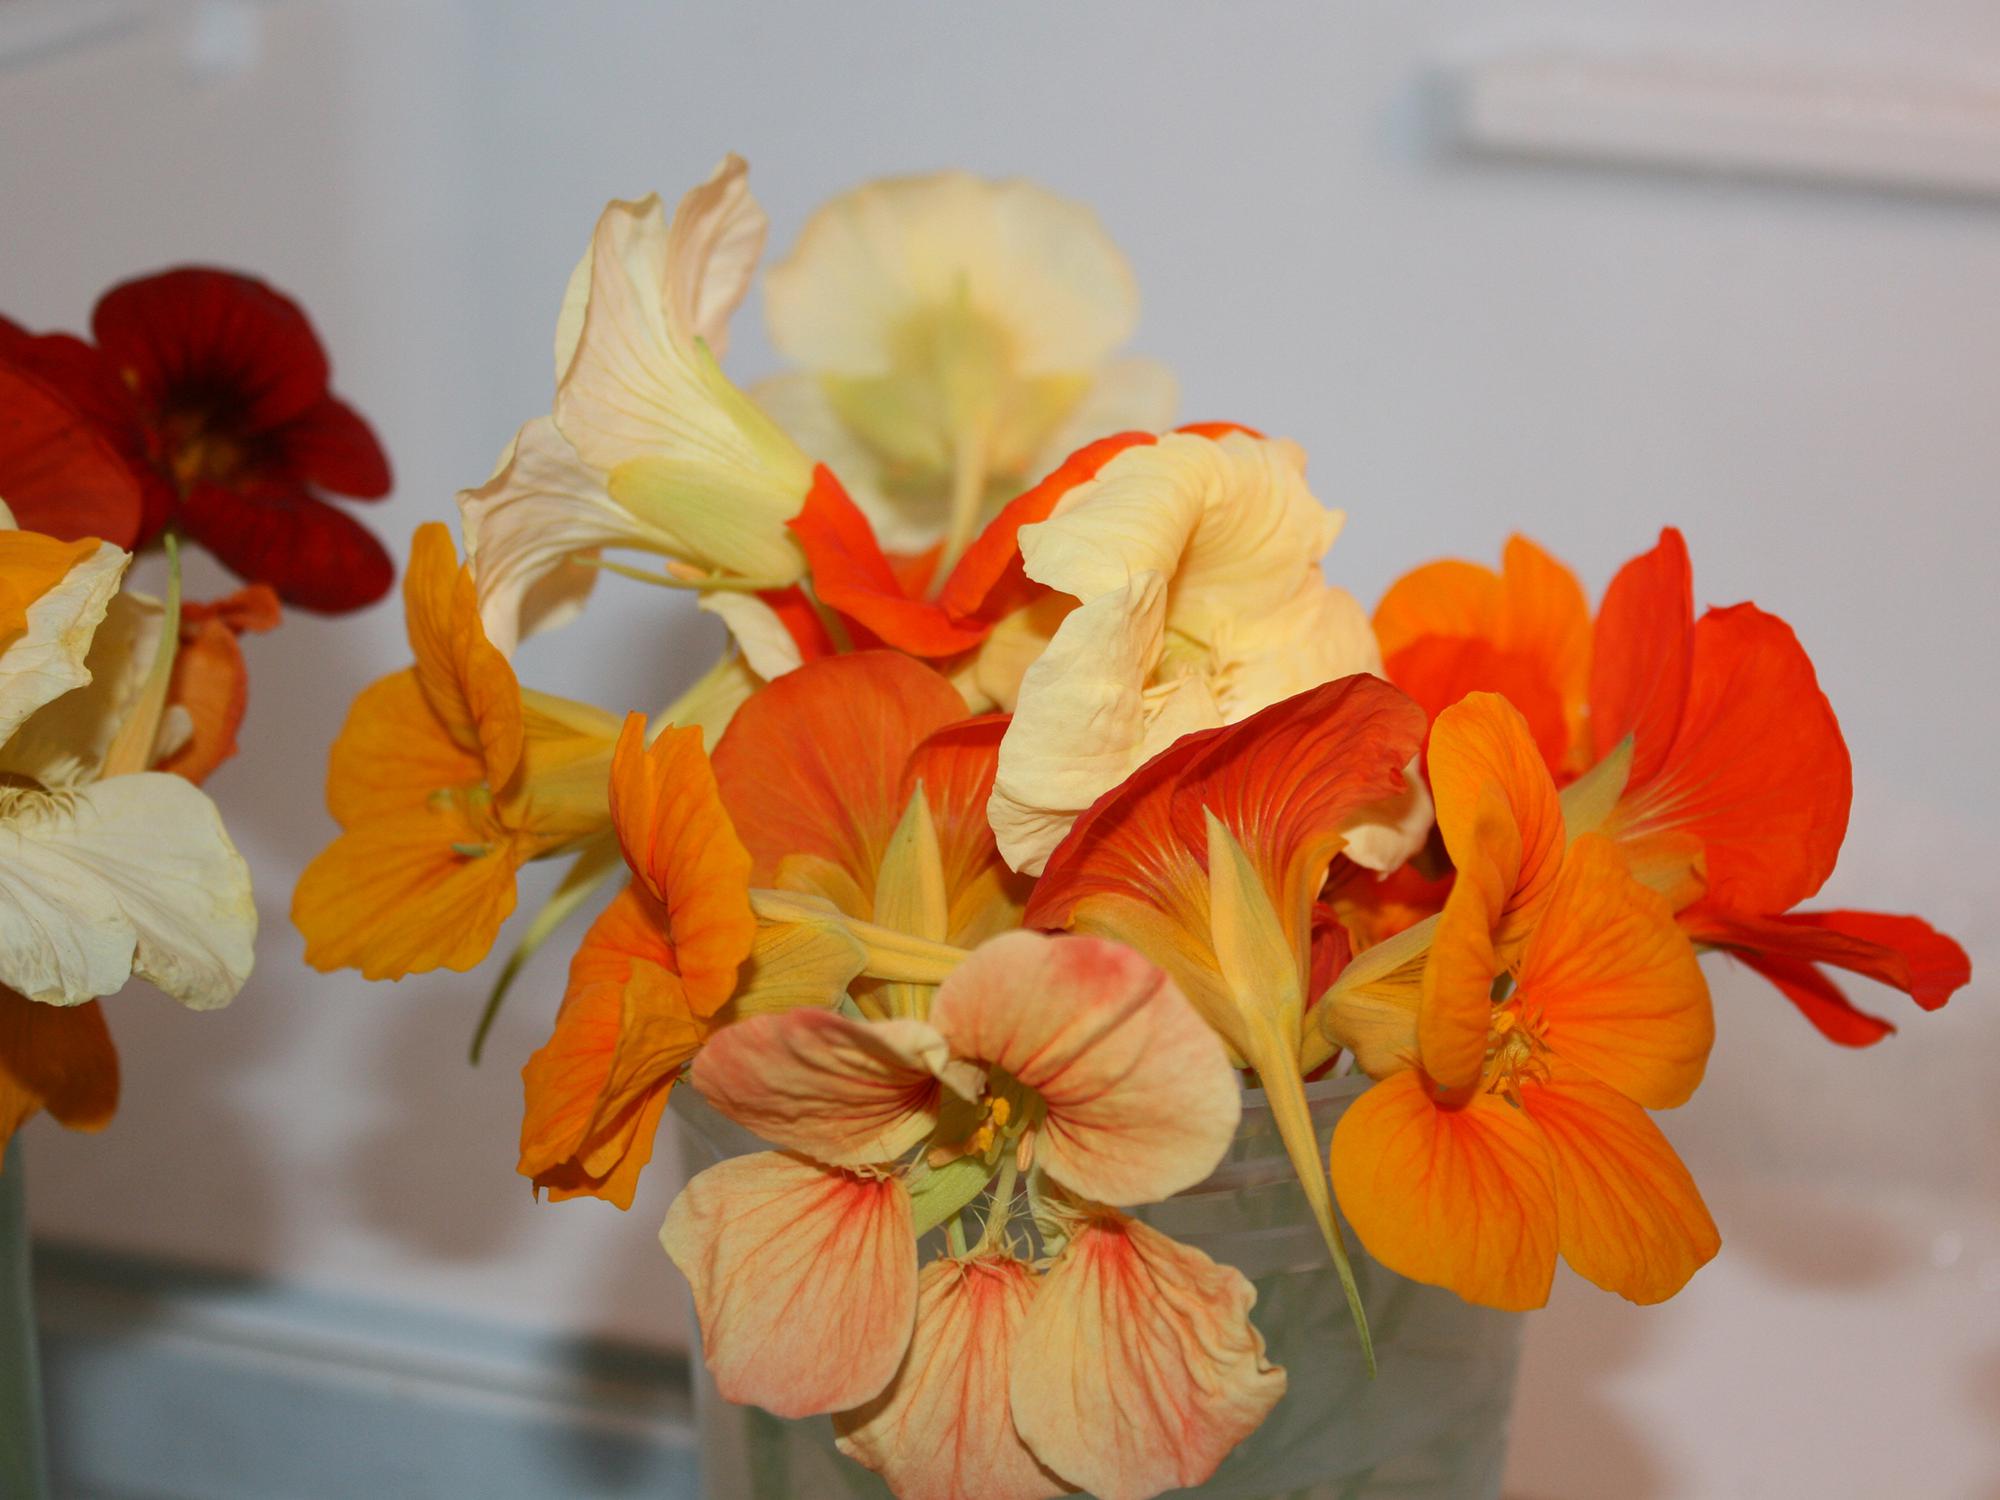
{"x": 446, "y": 779}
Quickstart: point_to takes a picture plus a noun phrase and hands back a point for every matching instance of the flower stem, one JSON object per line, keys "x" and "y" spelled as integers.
{"x": 1001, "y": 1210}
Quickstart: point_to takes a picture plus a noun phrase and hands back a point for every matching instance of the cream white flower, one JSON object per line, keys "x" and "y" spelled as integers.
{"x": 650, "y": 447}
{"x": 1195, "y": 562}
{"x": 102, "y": 879}
{"x": 955, "y": 340}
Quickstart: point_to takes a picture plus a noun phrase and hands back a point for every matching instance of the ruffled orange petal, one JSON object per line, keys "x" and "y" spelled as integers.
{"x": 844, "y": 1092}
{"x": 1461, "y": 1198}
{"x": 943, "y": 1430}
{"x": 1758, "y": 770}
{"x": 595, "y": 1090}
{"x": 58, "y": 1058}
{"x": 681, "y": 845}
{"x": 804, "y": 1278}
{"x": 1615, "y": 981}
{"x": 1142, "y": 1101}
{"x": 812, "y": 764}
{"x": 1480, "y": 742}
{"x": 1138, "y": 1368}
{"x": 1643, "y": 656}
{"x": 467, "y": 682}
{"x": 403, "y": 896}
{"x": 1631, "y": 1218}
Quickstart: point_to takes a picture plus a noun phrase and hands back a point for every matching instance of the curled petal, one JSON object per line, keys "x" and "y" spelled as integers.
{"x": 469, "y": 685}
{"x": 1455, "y": 1012}
{"x": 804, "y": 1278}
{"x": 843, "y": 1092}
{"x": 1138, "y": 1368}
{"x": 1483, "y": 741}
{"x": 1462, "y": 1198}
{"x": 943, "y": 1430}
{"x": 53, "y": 596}
{"x": 1142, "y": 1101}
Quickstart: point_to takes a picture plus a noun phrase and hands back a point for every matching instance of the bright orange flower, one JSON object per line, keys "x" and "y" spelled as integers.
{"x": 1209, "y": 859}
{"x": 1507, "y": 1131}
{"x": 445, "y": 780}
{"x": 1734, "y": 802}
{"x": 58, "y": 1058}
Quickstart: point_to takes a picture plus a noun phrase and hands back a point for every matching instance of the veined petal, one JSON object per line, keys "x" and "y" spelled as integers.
{"x": 1616, "y": 982}
{"x": 59, "y": 474}
{"x": 1643, "y": 656}
{"x": 956, "y": 768}
{"x": 804, "y": 1278}
{"x": 1142, "y": 1101}
{"x": 467, "y": 683}
{"x": 1483, "y": 741}
{"x": 846, "y": 1093}
{"x": 1455, "y": 1013}
{"x": 943, "y": 1429}
{"x": 131, "y": 876}
{"x": 1461, "y": 1198}
{"x": 1138, "y": 1367}
{"x": 682, "y": 847}
{"x": 60, "y": 1058}
{"x": 52, "y": 597}
{"x": 1631, "y": 1218}
{"x": 392, "y": 755}
{"x": 812, "y": 765}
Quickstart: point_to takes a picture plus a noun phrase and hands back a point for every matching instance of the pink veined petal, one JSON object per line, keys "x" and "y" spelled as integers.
{"x": 844, "y": 1092}
{"x": 943, "y": 1430}
{"x": 1138, "y": 1368}
{"x": 804, "y": 1277}
{"x": 1141, "y": 1099}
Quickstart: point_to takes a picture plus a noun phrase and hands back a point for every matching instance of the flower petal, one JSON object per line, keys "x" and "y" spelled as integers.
{"x": 468, "y": 684}
{"x": 58, "y": 473}
{"x": 1142, "y": 1101}
{"x": 805, "y": 1280}
{"x": 1138, "y": 1367}
{"x": 315, "y": 555}
{"x": 1483, "y": 741}
{"x": 1455, "y": 1009}
{"x": 53, "y": 595}
{"x": 956, "y": 766}
{"x": 1616, "y": 982}
{"x": 1462, "y": 1198}
{"x": 57, "y": 1058}
{"x": 943, "y": 1430}
{"x": 1631, "y": 1218}
{"x": 1643, "y": 655}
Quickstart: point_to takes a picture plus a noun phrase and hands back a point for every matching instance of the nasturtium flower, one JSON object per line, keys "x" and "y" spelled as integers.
{"x": 649, "y": 446}
{"x": 678, "y": 953}
{"x": 446, "y": 778}
{"x": 108, "y": 869}
{"x": 1119, "y": 1360}
{"x": 1731, "y": 797}
{"x": 213, "y": 389}
{"x": 955, "y": 342}
{"x": 1195, "y": 564}
{"x": 1504, "y": 1131}
{"x": 1209, "y": 860}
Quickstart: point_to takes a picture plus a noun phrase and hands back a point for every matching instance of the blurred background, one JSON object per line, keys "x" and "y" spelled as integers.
{"x": 1578, "y": 269}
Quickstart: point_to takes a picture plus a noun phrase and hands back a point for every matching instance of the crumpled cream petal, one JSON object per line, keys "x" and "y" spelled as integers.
{"x": 1079, "y": 719}
{"x": 804, "y": 1278}
{"x": 643, "y": 401}
{"x": 1039, "y": 266}
{"x": 63, "y": 743}
{"x": 526, "y": 528}
{"x": 48, "y": 658}
{"x": 942, "y": 1430}
{"x": 768, "y": 648}
{"x": 1138, "y": 1367}
{"x": 135, "y": 875}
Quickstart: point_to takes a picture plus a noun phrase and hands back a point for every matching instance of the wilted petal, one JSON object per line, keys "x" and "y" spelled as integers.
{"x": 844, "y": 1092}
{"x": 52, "y": 596}
{"x": 1138, "y": 1368}
{"x": 1142, "y": 1101}
{"x": 804, "y": 1277}
{"x": 64, "y": 742}
{"x": 943, "y": 1429}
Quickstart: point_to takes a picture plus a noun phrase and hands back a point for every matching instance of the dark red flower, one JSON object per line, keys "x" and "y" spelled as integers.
{"x": 212, "y": 386}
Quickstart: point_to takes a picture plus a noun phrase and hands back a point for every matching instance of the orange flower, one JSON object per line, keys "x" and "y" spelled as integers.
{"x": 1734, "y": 800}
{"x": 1502, "y": 1132}
{"x": 210, "y": 682}
{"x": 446, "y": 779}
{"x": 58, "y": 1058}
{"x": 1208, "y": 860}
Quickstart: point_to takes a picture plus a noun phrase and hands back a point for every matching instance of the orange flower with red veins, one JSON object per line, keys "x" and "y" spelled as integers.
{"x": 1209, "y": 861}
{"x": 1504, "y": 1131}
{"x": 1120, "y": 1361}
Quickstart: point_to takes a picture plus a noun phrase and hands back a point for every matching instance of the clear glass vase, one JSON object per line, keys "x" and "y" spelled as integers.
{"x": 22, "y": 1471}
{"x": 1431, "y": 1426}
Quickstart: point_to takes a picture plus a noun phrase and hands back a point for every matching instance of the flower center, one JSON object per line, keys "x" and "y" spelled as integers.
{"x": 1516, "y": 1048}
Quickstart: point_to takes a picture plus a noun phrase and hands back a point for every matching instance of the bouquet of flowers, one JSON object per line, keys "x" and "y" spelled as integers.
{"x": 1047, "y": 799}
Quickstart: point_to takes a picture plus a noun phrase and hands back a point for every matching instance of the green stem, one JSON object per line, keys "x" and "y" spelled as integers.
{"x": 23, "y": 1471}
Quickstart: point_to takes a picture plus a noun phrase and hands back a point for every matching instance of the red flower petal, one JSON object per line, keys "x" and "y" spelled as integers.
{"x": 58, "y": 473}
{"x": 315, "y": 556}
{"x": 333, "y": 446}
{"x": 1643, "y": 656}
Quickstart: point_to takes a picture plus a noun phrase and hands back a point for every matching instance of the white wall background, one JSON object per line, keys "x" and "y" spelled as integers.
{"x": 1807, "y": 379}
